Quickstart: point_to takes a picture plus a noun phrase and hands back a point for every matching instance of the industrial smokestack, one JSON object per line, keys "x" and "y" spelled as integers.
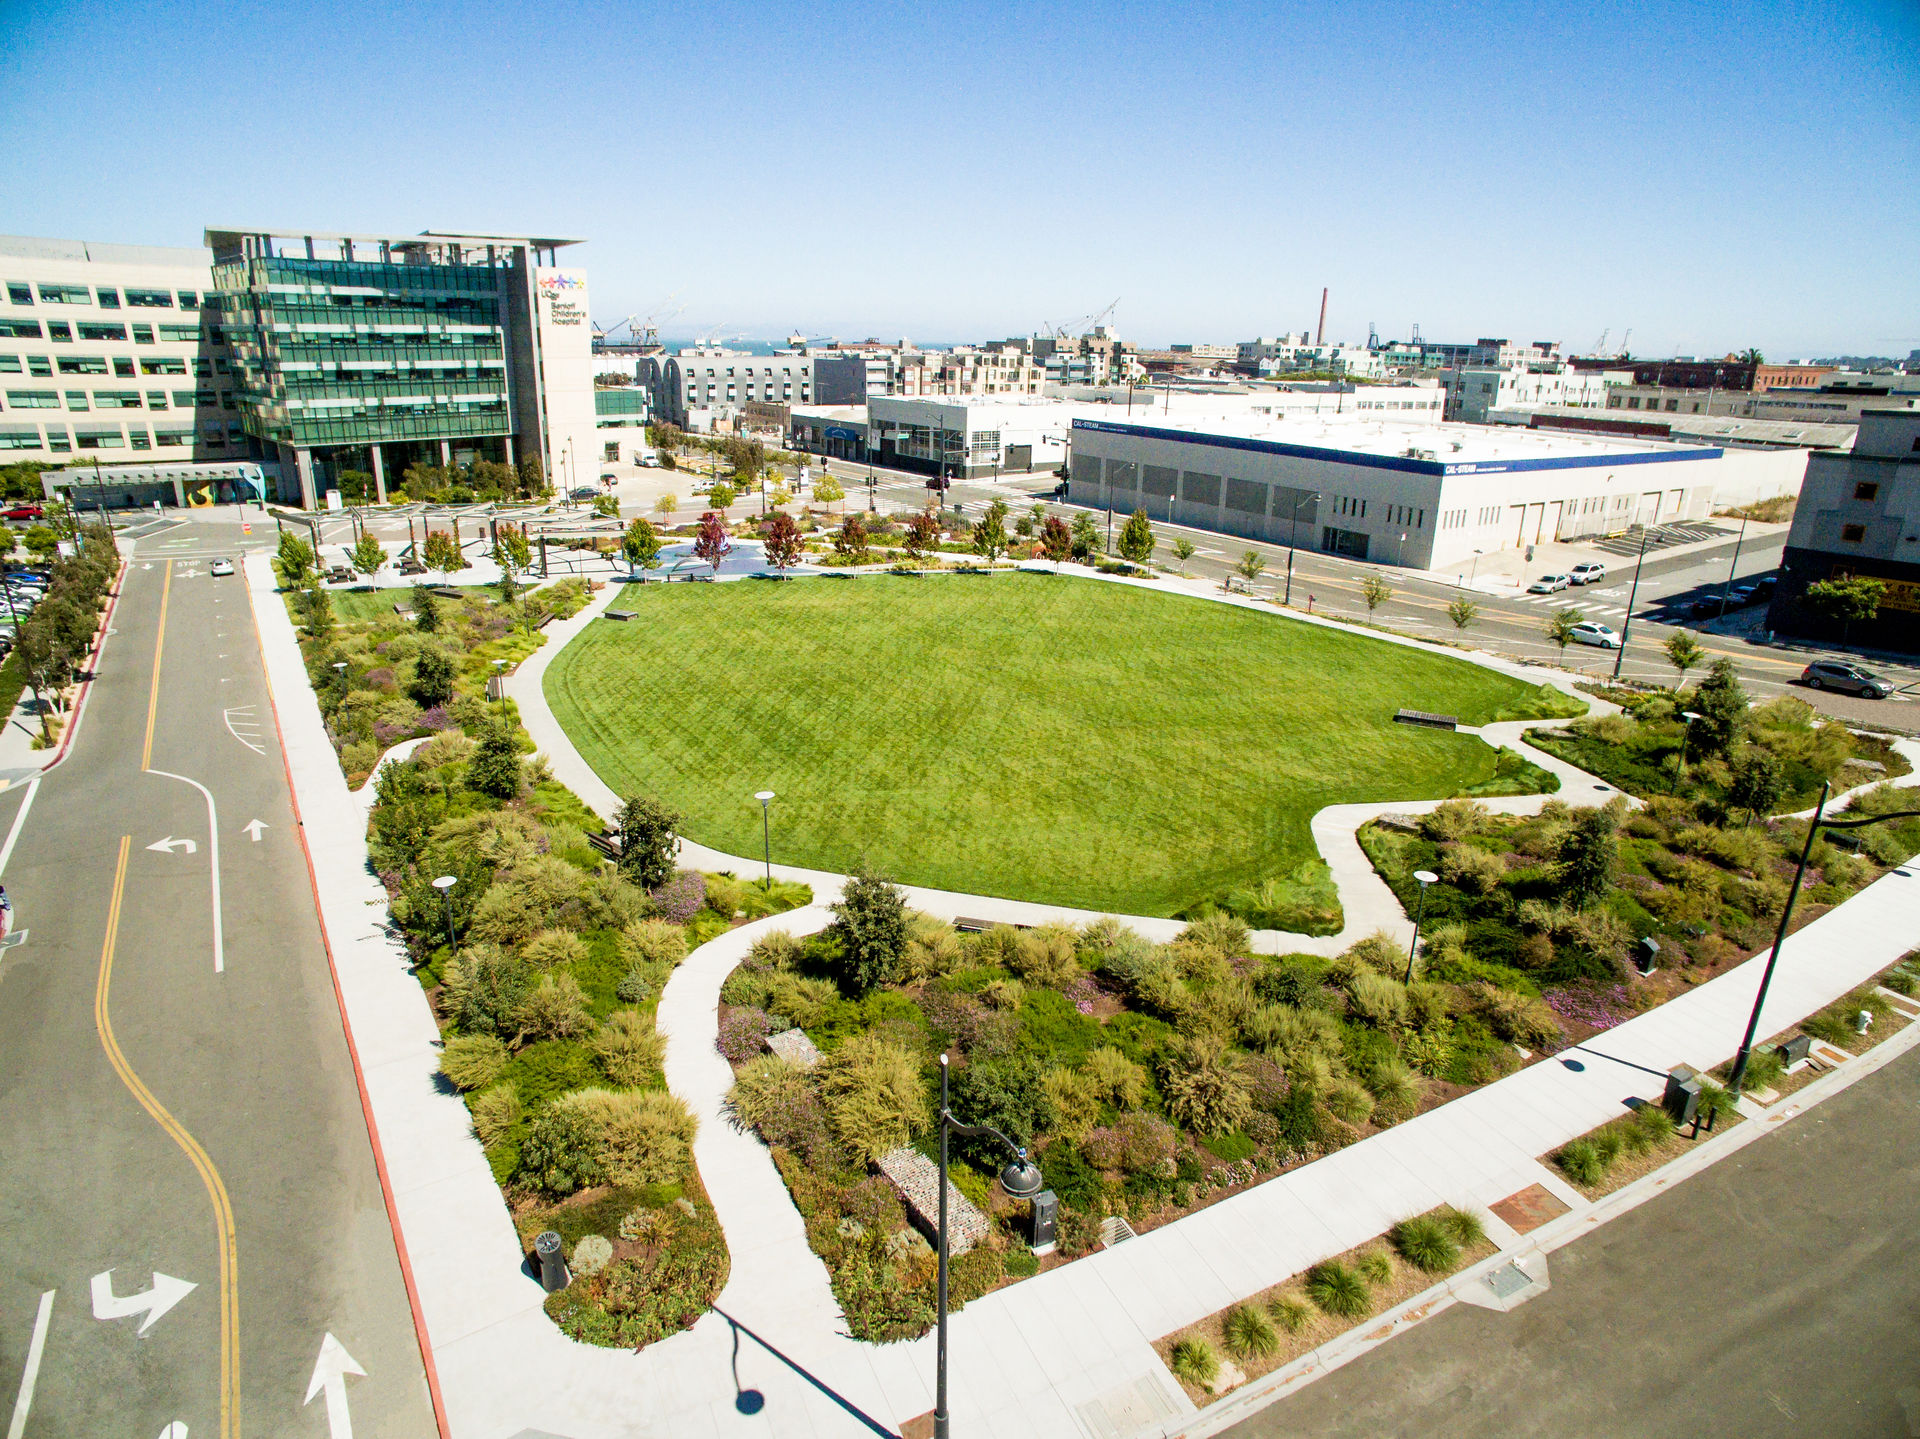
{"x": 1320, "y": 335}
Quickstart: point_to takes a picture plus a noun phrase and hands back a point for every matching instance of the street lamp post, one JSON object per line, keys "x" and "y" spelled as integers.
{"x": 445, "y": 885}
{"x": 1686, "y": 738}
{"x": 1426, "y": 877}
{"x": 1626, "y": 625}
{"x": 1726, "y": 590}
{"x": 1474, "y": 567}
{"x": 1293, "y": 540}
{"x": 765, "y": 797}
{"x": 1819, "y": 822}
{"x": 1021, "y": 1179}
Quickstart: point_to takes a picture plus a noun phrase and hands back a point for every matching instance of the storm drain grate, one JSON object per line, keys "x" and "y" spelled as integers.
{"x": 1115, "y": 1230}
{"x": 1508, "y": 1281}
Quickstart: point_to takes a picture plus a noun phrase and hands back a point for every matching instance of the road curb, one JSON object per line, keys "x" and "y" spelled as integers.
{"x": 86, "y": 685}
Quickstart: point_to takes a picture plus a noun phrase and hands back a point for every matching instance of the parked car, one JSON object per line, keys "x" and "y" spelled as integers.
{"x": 1591, "y": 572}
{"x": 1592, "y": 632}
{"x": 1548, "y": 585}
{"x": 27, "y": 577}
{"x": 1700, "y": 607}
{"x": 583, "y": 492}
{"x": 23, "y": 512}
{"x": 1846, "y": 678}
{"x": 220, "y": 568}
{"x": 1762, "y": 588}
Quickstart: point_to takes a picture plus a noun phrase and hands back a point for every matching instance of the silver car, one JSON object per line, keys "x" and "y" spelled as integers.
{"x": 1592, "y": 632}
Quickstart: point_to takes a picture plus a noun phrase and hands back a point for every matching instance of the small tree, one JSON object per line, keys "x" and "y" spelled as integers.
{"x": 512, "y": 550}
{"x": 43, "y": 544}
{"x": 494, "y": 768}
{"x": 1183, "y": 550}
{"x": 1759, "y": 782}
{"x": 1586, "y": 856}
{"x": 1559, "y": 628}
{"x": 1463, "y": 613}
{"x": 1721, "y": 702}
{"x": 827, "y": 490}
{"x": 533, "y": 476}
{"x": 1086, "y": 537}
{"x": 426, "y": 610}
{"x": 1056, "y": 541}
{"x": 1136, "y": 538}
{"x": 1250, "y": 565}
{"x": 646, "y": 841}
{"x": 442, "y": 553}
{"x": 1847, "y": 600}
{"x": 711, "y": 542}
{"x": 432, "y": 678}
{"x": 850, "y": 540}
{"x": 990, "y": 535}
{"x": 317, "y": 606}
{"x": 666, "y": 504}
{"x": 871, "y": 923}
{"x": 722, "y": 496}
{"x": 1683, "y": 652}
{"x": 782, "y": 539}
{"x": 607, "y": 507}
{"x": 640, "y": 546}
{"x": 1376, "y": 592}
{"x": 923, "y": 535}
{"x": 293, "y": 562}
{"x": 367, "y": 554}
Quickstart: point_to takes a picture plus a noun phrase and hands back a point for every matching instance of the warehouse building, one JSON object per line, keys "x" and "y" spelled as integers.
{"x": 1421, "y": 496}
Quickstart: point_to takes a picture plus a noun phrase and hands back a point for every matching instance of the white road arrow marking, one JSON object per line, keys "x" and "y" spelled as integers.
{"x": 175, "y": 1430}
{"x": 165, "y": 1293}
{"x": 253, "y": 827}
{"x": 165, "y": 846}
{"x": 330, "y": 1374}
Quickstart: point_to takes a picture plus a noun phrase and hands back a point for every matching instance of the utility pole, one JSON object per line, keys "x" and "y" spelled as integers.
{"x": 1626, "y": 625}
{"x": 1726, "y": 590}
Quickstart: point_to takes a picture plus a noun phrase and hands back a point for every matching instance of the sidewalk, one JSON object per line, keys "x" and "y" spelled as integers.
{"x": 1066, "y": 1352}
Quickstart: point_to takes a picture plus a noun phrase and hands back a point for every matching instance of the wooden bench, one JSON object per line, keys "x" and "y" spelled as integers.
{"x": 1426, "y": 719}
{"x": 980, "y": 926}
{"x": 619, "y": 614}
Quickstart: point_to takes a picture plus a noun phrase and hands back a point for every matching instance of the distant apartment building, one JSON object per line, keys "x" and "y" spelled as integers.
{"x": 697, "y": 389}
{"x": 1474, "y": 391}
{"x": 1859, "y": 514}
{"x": 1730, "y": 373}
{"x": 986, "y": 371}
{"x": 1839, "y": 398}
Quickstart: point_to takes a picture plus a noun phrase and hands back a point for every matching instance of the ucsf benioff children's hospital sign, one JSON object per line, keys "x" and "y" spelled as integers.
{"x": 563, "y": 296}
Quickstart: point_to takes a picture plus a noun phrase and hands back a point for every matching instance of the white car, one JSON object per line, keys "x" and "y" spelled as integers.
{"x": 1590, "y": 573}
{"x": 1592, "y": 632}
{"x": 1548, "y": 585}
{"x": 220, "y": 567}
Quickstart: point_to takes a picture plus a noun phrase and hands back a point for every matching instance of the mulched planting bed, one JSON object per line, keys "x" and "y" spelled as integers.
{"x": 1632, "y": 1163}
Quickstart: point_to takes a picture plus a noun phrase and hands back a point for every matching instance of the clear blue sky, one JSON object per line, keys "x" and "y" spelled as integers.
{"x": 1711, "y": 175}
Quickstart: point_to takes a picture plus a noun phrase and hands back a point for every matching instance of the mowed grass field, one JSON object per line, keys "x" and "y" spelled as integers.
{"x": 1033, "y": 736}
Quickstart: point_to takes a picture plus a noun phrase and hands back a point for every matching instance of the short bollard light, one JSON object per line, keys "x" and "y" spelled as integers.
{"x": 1863, "y": 1021}
{"x": 553, "y": 1262}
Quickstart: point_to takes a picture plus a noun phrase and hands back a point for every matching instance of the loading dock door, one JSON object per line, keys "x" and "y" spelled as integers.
{"x": 1649, "y": 511}
{"x": 1536, "y": 518}
{"x": 1519, "y": 514}
{"x": 1553, "y": 527}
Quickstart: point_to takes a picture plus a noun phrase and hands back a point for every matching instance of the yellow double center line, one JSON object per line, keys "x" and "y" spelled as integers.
{"x": 209, "y": 1175}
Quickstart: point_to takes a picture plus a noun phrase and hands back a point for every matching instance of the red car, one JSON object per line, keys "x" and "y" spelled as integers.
{"x": 23, "y": 512}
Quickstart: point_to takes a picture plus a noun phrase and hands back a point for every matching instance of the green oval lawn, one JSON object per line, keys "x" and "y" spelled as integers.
{"x": 1034, "y": 736}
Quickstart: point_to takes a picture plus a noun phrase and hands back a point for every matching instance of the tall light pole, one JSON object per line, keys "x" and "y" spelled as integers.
{"x": 1293, "y": 539}
{"x": 1626, "y": 625}
{"x": 765, "y": 797}
{"x": 1686, "y": 738}
{"x": 1426, "y": 877}
{"x": 1819, "y": 822}
{"x": 1726, "y": 590}
{"x": 445, "y": 885}
{"x": 1021, "y": 1179}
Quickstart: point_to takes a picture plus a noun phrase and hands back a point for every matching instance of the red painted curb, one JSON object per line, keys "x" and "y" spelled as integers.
{"x": 353, "y": 1053}
{"x": 86, "y": 685}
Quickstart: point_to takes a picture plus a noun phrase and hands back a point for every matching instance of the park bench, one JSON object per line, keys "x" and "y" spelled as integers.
{"x": 619, "y": 614}
{"x": 1426, "y": 719}
{"x": 980, "y": 926}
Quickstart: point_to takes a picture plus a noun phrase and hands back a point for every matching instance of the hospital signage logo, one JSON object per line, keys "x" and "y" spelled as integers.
{"x": 564, "y": 293}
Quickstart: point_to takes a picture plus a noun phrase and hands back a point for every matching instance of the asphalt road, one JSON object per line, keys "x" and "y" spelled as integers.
{"x": 1777, "y": 1293}
{"x": 177, "y": 1104}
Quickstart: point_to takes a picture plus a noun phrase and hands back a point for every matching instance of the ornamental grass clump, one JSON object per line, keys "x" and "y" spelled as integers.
{"x": 1375, "y": 1267}
{"x": 1337, "y": 1290}
{"x": 653, "y": 941}
{"x": 473, "y": 1061}
{"x": 1290, "y": 1312}
{"x": 1249, "y": 1333}
{"x": 495, "y": 1111}
{"x": 628, "y": 1047}
{"x": 1195, "y": 1361}
{"x": 554, "y": 949}
{"x": 874, "y": 1095}
{"x": 1426, "y": 1243}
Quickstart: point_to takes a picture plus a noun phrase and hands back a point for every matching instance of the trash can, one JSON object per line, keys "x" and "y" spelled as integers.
{"x": 553, "y": 1264}
{"x": 1046, "y": 1220}
{"x": 1682, "y": 1099}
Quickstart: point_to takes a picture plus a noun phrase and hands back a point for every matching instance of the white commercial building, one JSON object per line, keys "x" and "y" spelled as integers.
{"x": 1423, "y": 496}
{"x": 1473, "y": 392}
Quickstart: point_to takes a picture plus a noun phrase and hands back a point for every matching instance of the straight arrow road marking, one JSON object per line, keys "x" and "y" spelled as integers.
{"x": 330, "y": 1376}
{"x": 23, "y": 1404}
{"x": 165, "y": 846}
{"x": 154, "y": 1302}
{"x": 253, "y": 827}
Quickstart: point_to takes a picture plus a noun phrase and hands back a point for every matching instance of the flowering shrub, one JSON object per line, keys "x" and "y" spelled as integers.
{"x": 680, "y": 898}
{"x": 1084, "y": 993}
{"x": 435, "y": 719}
{"x": 1601, "y": 1009}
{"x": 743, "y": 1034}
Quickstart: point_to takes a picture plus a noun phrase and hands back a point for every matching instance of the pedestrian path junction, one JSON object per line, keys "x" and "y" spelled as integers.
{"x": 1068, "y": 1352}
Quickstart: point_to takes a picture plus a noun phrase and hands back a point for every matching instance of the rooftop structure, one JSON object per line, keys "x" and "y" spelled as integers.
{"x": 1700, "y": 428}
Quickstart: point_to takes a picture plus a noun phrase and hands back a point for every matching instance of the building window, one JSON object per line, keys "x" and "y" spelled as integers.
{"x": 33, "y": 399}
{"x": 147, "y": 299}
{"x": 90, "y": 331}
{"x": 109, "y": 298}
{"x": 142, "y": 334}
{"x": 123, "y": 367}
{"x": 39, "y": 365}
{"x": 156, "y": 399}
{"x": 66, "y": 295}
{"x": 1867, "y": 490}
{"x": 1853, "y": 534}
{"x": 116, "y": 400}
{"x": 19, "y": 437}
{"x": 100, "y": 439}
{"x": 189, "y": 300}
{"x": 610, "y": 452}
{"x": 59, "y": 330}
{"x": 9, "y": 364}
{"x": 140, "y": 440}
{"x": 161, "y": 367}
{"x": 19, "y": 292}
{"x": 76, "y": 399}
{"x": 83, "y": 365}
{"x": 20, "y": 329}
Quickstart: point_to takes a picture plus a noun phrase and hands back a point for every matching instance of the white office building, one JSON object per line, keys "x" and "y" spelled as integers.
{"x": 1473, "y": 392}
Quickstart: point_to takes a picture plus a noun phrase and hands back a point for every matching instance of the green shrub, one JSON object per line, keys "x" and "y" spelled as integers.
{"x": 1290, "y": 1312}
{"x": 495, "y": 1111}
{"x": 803, "y": 1000}
{"x": 1195, "y": 1361}
{"x": 1455, "y": 819}
{"x": 482, "y": 988}
{"x": 473, "y": 1061}
{"x": 653, "y": 941}
{"x": 1337, "y": 1290}
{"x": 1073, "y": 1103}
{"x": 1834, "y": 1024}
{"x": 637, "y": 985}
{"x": 1290, "y": 979}
{"x": 870, "y": 921}
{"x": 1375, "y": 1267}
{"x": 1114, "y": 1077}
{"x": 1003, "y": 994}
{"x": 1377, "y": 1000}
{"x": 561, "y": 1151}
{"x": 1249, "y": 1333}
{"x": 873, "y": 1095}
{"x": 1022, "y": 1263}
{"x": 1201, "y": 1082}
{"x": 1395, "y": 1091}
{"x": 556, "y": 1008}
{"x": 554, "y": 949}
{"x": 1379, "y": 952}
{"x": 1472, "y": 869}
{"x": 1425, "y": 1243}
{"x": 1046, "y": 956}
{"x": 776, "y": 949}
{"x": 1582, "y": 1162}
{"x": 1466, "y": 1227}
{"x": 628, "y": 1047}
{"x": 1349, "y": 1101}
{"x": 1222, "y": 932}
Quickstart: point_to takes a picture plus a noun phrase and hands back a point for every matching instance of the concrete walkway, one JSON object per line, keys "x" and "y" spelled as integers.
{"x": 1068, "y": 1352}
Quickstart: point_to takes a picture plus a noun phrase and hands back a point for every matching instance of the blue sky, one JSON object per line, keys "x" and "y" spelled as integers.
{"x": 1710, "y": 175}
